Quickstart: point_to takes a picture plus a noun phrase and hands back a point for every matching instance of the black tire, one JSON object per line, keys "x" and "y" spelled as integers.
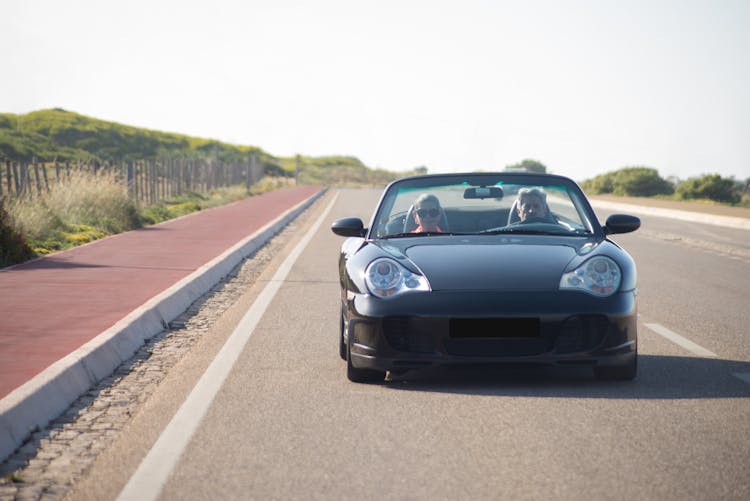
{"x": 618, "y": 372}
{"x": 361, "y": 375}
{"x": 342, "y": 343}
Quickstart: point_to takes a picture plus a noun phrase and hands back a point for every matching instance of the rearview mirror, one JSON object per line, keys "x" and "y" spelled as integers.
{"x": 483, "y": 192}
{"x": 349, "y": 227}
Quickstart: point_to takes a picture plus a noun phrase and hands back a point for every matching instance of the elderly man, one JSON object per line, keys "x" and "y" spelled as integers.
{"x": 532, "y": 205}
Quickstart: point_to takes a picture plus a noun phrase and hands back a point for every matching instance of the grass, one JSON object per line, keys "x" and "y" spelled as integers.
{"x": 80, "y": 209}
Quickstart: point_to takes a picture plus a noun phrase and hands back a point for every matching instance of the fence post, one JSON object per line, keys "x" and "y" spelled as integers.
{"x": 129, "y": 178}
{"x": 26, "y": 186}
{"x": 247, "y": 172}
{"x": 9, "y": 176}
{"x": 17, "y": 177}
{"x": 296, "y": 170}
{"x": 137, "y": 183}
{"x": 37, "y": 178}
{"x": 44, "y": 175}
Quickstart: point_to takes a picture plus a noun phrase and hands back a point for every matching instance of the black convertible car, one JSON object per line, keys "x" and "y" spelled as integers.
{"x": 479, "y": 268}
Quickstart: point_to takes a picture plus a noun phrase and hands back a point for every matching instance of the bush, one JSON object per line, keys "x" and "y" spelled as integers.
{"x": 710, "y": 187}
{"x": 80, "y": 209}
{"x": 97, "y": 200}
{"x": 13, "y": 246}
{"x": 630, "y": 181}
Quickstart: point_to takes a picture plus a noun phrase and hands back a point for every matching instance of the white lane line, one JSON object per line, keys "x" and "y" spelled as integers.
{"x": 693, "y": 217}
{"x": 745, "y": 376}
{"x": 149, "y": 479}
{"x": 684, "y": 342}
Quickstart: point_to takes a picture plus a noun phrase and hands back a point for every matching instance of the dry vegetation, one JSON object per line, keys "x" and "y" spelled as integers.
{"x": 89, "y": 206}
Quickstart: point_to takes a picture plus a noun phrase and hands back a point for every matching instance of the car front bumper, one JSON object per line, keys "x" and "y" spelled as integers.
{"x": 530, "y": 328}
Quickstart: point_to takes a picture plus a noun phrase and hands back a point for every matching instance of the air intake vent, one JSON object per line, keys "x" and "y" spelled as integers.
{"x": 582, "y": 333}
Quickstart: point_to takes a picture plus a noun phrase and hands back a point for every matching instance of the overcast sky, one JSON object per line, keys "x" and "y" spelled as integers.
{"x": 583, "y": 86}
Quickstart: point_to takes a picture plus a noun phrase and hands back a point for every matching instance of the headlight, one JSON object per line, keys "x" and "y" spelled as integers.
{"x": 599, "y": 276}
{"x": 386, "y": 278}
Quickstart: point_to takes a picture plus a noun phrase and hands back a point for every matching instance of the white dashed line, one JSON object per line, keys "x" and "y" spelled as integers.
{"x": 149, "y": 479}
{"x": 684, "y": 342}
{"x": 745, "y": 376}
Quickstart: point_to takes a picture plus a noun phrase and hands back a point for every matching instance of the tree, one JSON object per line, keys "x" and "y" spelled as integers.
{"x": 528, "y": 165}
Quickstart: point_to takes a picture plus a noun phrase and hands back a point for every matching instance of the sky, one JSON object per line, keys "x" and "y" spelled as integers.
{"x": 585, "y": 87}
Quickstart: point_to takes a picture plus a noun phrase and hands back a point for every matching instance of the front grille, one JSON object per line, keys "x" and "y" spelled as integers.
{"x": 581, "y": 333}
{"x": 502, "y": 337}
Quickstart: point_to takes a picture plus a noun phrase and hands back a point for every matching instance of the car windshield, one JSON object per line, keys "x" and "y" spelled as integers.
{"x": 482, "y": 204}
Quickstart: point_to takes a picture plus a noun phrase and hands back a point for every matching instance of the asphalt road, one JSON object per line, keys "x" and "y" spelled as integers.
{"x": 287, "y": 424}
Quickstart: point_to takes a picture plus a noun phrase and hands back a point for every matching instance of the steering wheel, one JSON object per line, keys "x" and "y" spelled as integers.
{"x": 534, "y": 219}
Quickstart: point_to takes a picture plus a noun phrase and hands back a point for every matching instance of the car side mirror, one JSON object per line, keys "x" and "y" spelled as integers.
{"x": 349, "y": 227}
{"x": 621, "y": 223}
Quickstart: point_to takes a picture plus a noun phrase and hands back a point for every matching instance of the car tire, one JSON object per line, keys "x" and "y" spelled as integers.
{"x": 342, "y": 343}
{"x": 625, "y": 372}
{"x": 361, "y": 375}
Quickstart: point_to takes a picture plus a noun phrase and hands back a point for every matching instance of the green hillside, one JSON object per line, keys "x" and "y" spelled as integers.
{"x": 56, "y": 133}
{"x": 66, "y": 136}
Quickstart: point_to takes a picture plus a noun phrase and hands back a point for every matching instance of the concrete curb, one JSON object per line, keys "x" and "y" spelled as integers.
{"x": 46, "y": 396}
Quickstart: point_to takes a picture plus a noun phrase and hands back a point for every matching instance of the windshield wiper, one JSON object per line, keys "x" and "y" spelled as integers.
{"x": 525, "y": 230}
{"x": 423, "y": 234}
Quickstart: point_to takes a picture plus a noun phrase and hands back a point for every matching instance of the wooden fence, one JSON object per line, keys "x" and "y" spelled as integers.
{"x": 147, "y": 181}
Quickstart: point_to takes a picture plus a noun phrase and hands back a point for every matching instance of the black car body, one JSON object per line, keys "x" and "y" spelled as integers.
{"x": 486, "y": 287}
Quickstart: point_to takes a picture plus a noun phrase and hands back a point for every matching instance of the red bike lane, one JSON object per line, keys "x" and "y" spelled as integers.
{"x": 54, "y": 305}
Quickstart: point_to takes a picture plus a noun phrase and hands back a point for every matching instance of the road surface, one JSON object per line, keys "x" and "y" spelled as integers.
{"x": 287, "y": 424}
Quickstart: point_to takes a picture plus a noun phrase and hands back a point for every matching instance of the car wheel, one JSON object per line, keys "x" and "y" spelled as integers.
{"x": 619, "y": 372}
{"x": 342, "y": 343}
{"x": 361, "y": 375}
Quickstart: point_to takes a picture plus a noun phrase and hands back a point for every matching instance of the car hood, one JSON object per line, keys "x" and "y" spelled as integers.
{"x": 507, "y": 264}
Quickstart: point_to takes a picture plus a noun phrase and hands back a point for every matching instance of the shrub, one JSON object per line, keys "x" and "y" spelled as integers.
{"x": 34, "y": 218}
{"x": 80, "y": 209}
{"x": 13, "y": 246}
{"x": 710, "y": 187}
{"x": 630, "y": 181}
{"x": 97, "y": 200}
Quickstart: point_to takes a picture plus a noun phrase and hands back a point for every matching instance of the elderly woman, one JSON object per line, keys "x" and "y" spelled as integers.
{"x": 427, "y": 214}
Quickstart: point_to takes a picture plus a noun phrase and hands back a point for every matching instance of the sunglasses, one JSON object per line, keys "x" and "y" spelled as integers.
{"x": 428, "y": 212}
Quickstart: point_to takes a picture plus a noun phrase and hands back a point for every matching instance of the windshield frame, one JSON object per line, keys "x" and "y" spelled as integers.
{"x": 577, "y": 197}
